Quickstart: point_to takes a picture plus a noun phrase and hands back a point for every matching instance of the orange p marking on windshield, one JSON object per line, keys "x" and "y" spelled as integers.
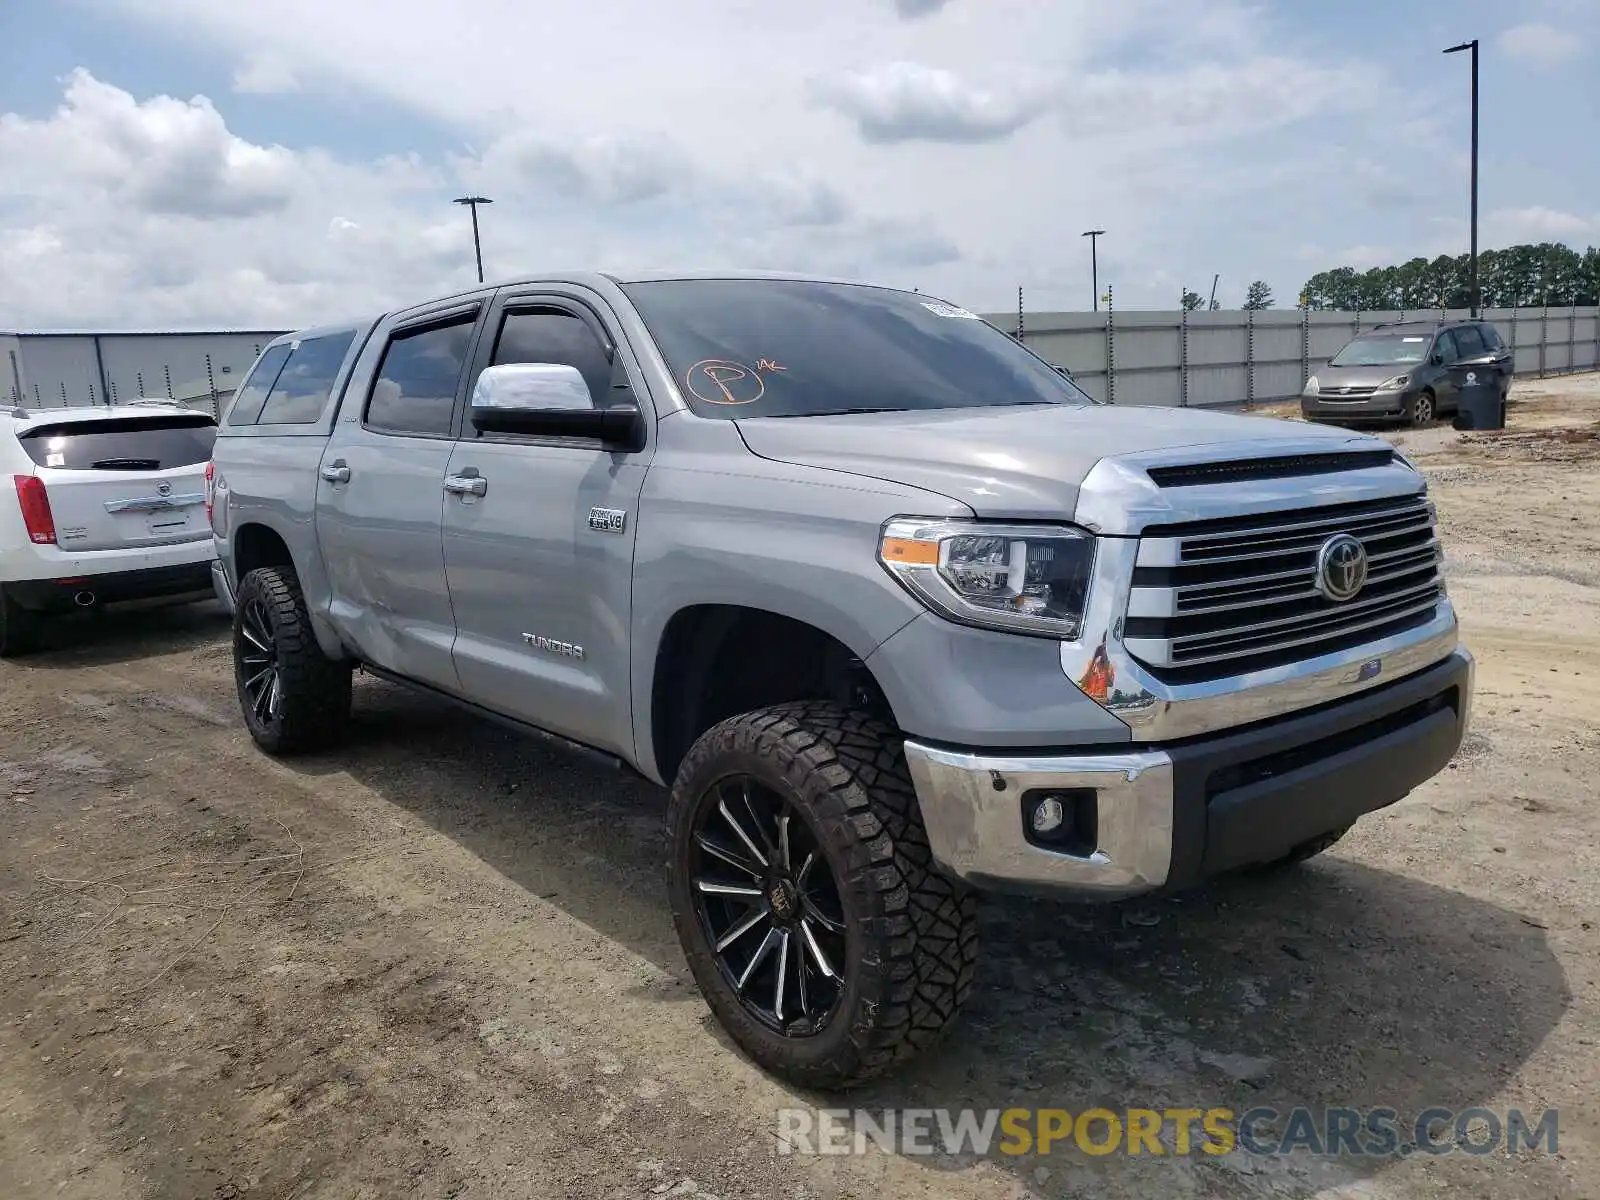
{"x": 734, "y": 384}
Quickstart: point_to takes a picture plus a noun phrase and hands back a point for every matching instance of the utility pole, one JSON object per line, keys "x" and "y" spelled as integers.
{"x": 1094, "y": 236}
{"x": 1212, "y": 303}
{"x": 1473, "y": 47}
{"x": 472, "y": 202}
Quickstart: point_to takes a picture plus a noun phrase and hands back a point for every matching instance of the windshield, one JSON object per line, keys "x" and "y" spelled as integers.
{"x": 785, "y": 348}
{"x": 1383, "y": 351}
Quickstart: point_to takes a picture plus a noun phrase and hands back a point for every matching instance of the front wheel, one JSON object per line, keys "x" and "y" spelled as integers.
{"x": 806, "y": 899}
{"x": 294, "y": 698}
{"x": 1421, "y": 411}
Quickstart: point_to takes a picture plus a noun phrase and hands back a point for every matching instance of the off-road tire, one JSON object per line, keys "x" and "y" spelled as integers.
{"x": 1422, "y": 410}
{"x": 911, "y": 932}
{"x": 314, "y": 707}
{"x": 19, "y": 628}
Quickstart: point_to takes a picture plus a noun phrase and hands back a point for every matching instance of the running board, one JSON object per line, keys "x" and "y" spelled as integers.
{"x": 477, "y": 710}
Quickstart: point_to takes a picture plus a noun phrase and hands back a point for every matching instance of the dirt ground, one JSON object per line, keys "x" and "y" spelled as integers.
{"x": 439, "y": 962}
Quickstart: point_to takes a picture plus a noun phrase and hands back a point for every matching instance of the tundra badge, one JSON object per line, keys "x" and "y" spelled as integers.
{"x": 608, "y": 520}
{"x": 566, "y": 649}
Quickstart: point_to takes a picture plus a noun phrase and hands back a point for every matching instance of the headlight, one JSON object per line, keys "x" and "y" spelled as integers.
{"x": 1312, "y": 387}
{"x": 1019, "y": 578}
{"x": 1396, "y": 384}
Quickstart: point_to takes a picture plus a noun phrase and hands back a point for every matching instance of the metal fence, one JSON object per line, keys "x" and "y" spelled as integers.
{"x": 1198, "y": 359}
{"x": 60, "y": 370}
{"x": 1131, "y": 357}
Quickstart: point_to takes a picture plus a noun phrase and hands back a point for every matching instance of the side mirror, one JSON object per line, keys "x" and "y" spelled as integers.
{"x": 550, "y": 400}
{"x": 1437, "y": 359}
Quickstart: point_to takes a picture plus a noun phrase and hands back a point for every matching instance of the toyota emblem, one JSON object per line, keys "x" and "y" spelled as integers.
{"x": 163, "y": 489}
{"x": 1341, "y": 567}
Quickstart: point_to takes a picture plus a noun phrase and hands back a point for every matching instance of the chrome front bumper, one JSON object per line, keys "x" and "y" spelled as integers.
{"x": 972, "y": 808}
{"x": 1168, "y": 817}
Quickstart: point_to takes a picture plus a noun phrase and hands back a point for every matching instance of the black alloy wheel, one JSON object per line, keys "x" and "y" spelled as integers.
{"x": 769, "y": 905}
{"x": 260, "y": 687}
{"x": 818, "y": 927}
{"x": 293, "y": 697}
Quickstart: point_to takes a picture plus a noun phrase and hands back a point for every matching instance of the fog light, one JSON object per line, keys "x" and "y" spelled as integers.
{"x": 1065, "y": 820}
{"x": 1049, "y": 814}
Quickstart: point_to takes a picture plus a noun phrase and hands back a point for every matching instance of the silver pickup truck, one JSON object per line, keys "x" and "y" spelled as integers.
{"x": 897, "y": 612}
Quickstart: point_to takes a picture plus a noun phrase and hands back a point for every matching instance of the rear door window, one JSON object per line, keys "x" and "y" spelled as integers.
{"x": 252, "y": 393}
{"x": 1469, "y": 342}
{"x": 415, "y": 390}
{"x": 300, "y": 394}
{"x": 141, "y": 444}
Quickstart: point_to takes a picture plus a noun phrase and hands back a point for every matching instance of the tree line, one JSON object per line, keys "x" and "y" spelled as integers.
{"x": 1258, "y": 296}
{"x": 1529, "y": 275}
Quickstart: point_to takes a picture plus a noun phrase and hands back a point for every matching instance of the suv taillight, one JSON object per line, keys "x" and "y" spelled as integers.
{"x": 35, "y": 504}
{"x": 211, "y": 488}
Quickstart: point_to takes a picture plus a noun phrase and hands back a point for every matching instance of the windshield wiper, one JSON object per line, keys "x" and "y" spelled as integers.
{"x": 839, "y": 412}
{"x": 126, "y": 464}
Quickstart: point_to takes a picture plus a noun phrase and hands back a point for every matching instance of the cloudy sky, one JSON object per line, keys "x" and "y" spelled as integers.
{"x": 192, "y": 162}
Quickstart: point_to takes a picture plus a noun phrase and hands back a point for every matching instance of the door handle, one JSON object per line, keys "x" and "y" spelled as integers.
{"x": 336, "y": 472}
{"x": 466, "y": 485}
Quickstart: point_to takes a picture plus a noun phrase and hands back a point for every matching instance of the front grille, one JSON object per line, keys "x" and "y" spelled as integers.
{"x": 1238, "y": 594}
{"x": 1348, "y": 392}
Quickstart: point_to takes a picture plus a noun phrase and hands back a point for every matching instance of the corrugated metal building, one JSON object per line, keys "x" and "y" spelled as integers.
{"x": 60, "y": 369}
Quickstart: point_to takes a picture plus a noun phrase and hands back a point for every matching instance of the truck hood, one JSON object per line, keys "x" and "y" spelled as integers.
{"x": 1027, "y": 461}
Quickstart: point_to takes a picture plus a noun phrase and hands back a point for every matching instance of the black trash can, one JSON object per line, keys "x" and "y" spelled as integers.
{"x": 1480, "y": 405}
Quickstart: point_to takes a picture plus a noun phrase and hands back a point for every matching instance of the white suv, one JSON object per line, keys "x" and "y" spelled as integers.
{"x": 105, "y": 504}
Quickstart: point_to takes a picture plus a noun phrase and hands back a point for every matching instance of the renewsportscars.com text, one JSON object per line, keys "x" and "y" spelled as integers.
{"x": 1262, "y": 1131}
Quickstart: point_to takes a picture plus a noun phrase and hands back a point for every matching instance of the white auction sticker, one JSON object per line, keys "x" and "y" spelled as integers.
{"x": 940, "y": 309}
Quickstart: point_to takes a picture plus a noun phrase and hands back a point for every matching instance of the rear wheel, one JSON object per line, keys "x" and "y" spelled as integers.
{"x": 1421, "y": 410}
{"x": 294, "y": 698}
{"x": 19, "y": 628}
{"x": 806, "y": 899}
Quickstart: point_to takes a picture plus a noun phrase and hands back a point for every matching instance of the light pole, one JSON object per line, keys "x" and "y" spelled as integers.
{"x": 1473, "y": 46}
{"x": 472, "y": 202}
{"x": 1094, "y": 262}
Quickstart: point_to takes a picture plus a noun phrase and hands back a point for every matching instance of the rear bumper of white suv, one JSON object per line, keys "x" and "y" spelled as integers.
{"x": 1165, "y": 817}
{"x": 45, "y": 578}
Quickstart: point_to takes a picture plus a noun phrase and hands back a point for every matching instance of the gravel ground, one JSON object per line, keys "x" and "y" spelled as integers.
{"x": 439, "y": 962}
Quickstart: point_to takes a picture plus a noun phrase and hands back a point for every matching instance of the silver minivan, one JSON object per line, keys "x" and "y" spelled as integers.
{"x": 1410, "y": 371}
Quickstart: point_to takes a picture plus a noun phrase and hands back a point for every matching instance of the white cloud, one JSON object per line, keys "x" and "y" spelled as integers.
{"x": 598, "y": 170}
{"x": 151, "y": 211}
{"x": 1541, "y": 45}
{"x": 909, "y": 102}
{"x": 166, "y": 156}
{"x": 1537, "y": 224}
{"x": 960, "y": 152}
{"x": 1364, "y": 257}
{"x": 265, "y": 75}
